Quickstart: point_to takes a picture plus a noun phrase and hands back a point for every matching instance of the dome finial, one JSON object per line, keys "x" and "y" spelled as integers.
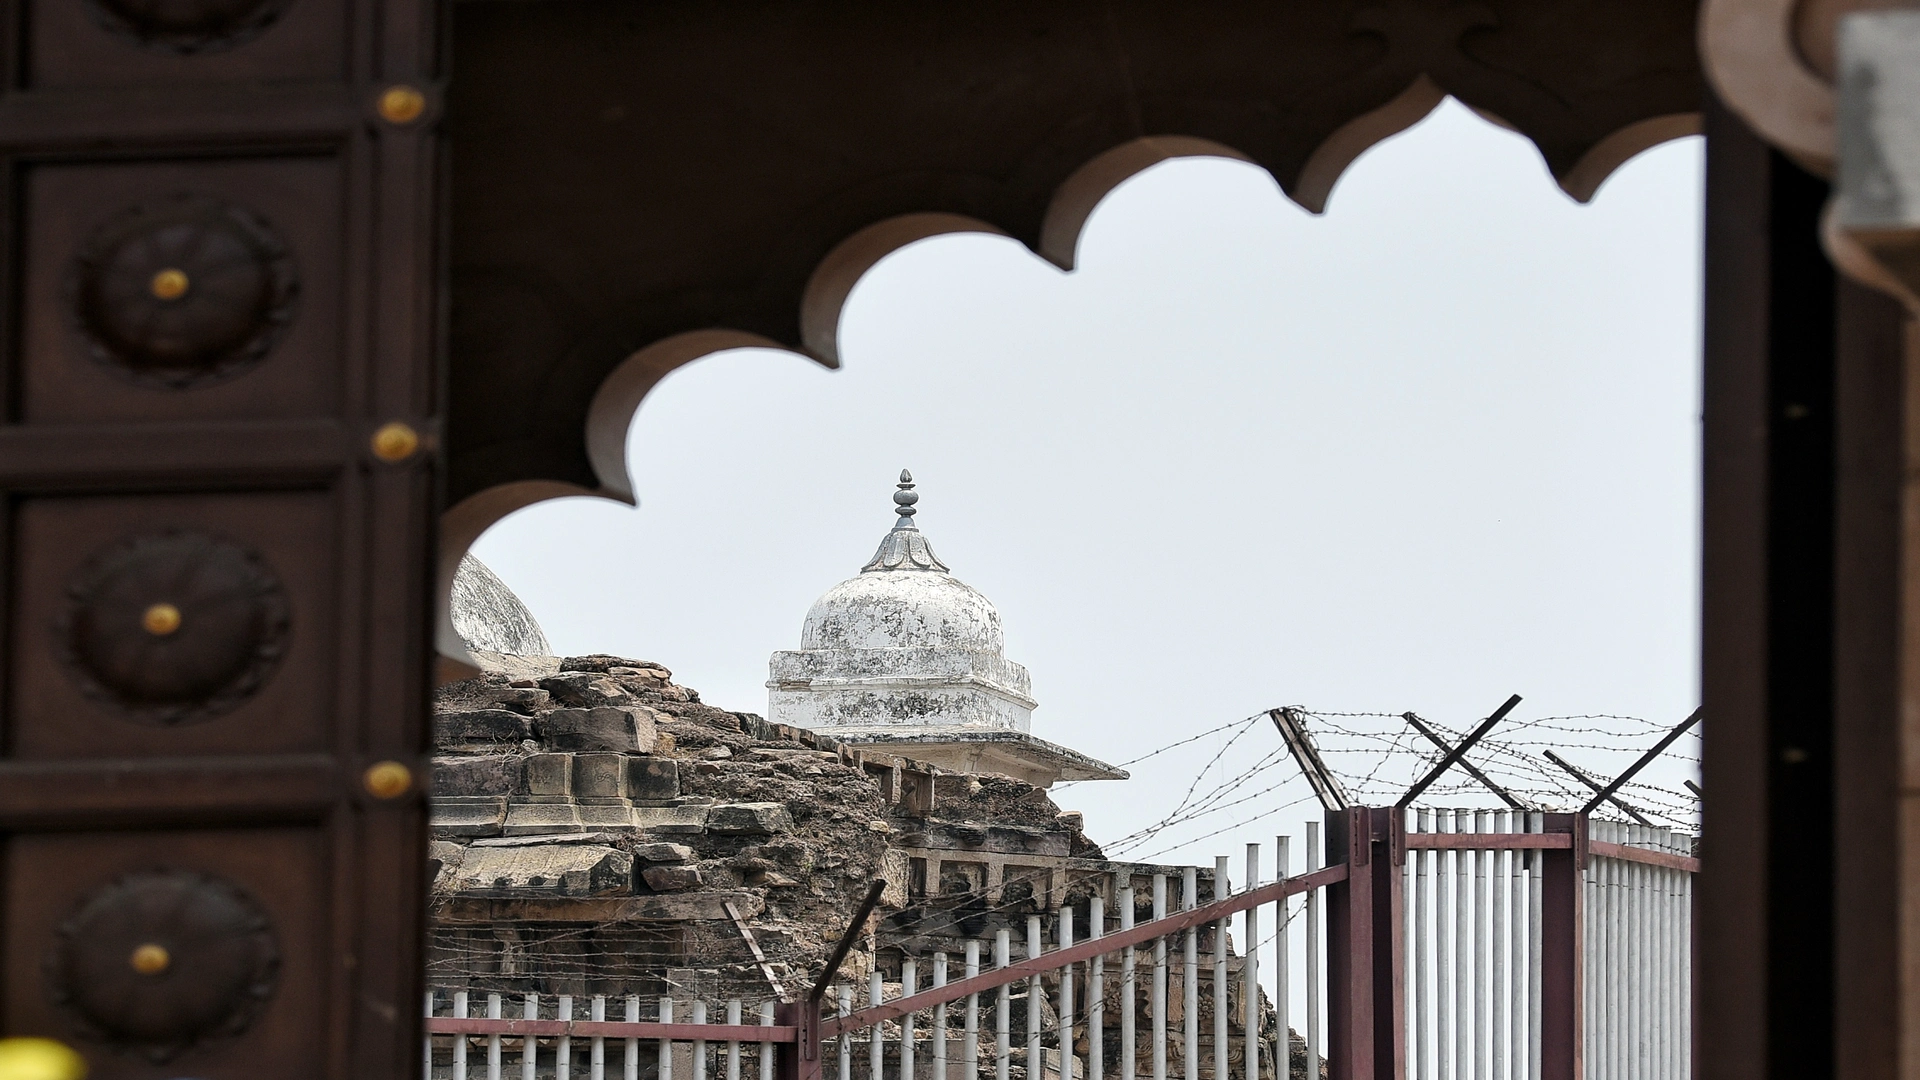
{"x": 904, "y": 499}
{"x": 903, "y": 548}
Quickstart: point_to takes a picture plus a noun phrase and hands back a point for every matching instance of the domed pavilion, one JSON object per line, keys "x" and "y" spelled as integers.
{"x": 907, "y": 658}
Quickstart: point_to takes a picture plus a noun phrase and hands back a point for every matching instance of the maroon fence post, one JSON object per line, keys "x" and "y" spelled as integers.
{"x": 1388, "y": 838}
{"x": 1366, "y": 1014}
{"x": 1350, "y": 948}
{"x": 1562, "y": 967}
{"x": 801, "y": 1061}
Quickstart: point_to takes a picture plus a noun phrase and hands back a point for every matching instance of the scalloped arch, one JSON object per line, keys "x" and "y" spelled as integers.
{"x": 617, "y": 400}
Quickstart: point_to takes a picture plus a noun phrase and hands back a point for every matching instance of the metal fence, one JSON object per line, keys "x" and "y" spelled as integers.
{"x": 1472, "y": 945}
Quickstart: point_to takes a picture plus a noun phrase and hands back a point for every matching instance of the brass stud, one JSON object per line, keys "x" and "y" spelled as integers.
{"x": 161, "y": 619}
{"x": 387, "y": 780}
{"x": 402, "y": 105}
{"x": 39, "y": 1059}
{"x": 169, "y": 284}
{"x": 395, "y": 442}
{"x": 150, "y": 959}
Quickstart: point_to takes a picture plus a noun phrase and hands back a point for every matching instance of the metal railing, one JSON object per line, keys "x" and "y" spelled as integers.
{"x": 1474, "y": 946}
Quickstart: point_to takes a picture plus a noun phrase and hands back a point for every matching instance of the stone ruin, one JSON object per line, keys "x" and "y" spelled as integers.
{"x": 601, "y": 830}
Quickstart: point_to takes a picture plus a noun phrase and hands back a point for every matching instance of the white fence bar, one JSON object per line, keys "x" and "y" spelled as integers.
{"x": 529, "y": 1045}
{"x": 1463, "y": 954}
{"x": 666, "y": 1045}
{"x": 1221, "y": 889}
{"x": 846, "y": 1041}
{"x": 733, "y": 1045}
{"x": 970, "y": 1041}
{"x": 1002, "y": 1037}
{"x": 877, "y": 1035}
{"x": 909, "y": 985}
{"x": 494, "y": 1012}
{"x": 1066, "y": 1003}
{"x": 1501, "y": 867}
{"x": 599, "y": 1012}
{"x": 1482, "y": 954}
{"x": 1096, "y": 992}
{"x": 1036, "y": 1056}
{"x": 766, "y": 1047}
{"x": 460, "y": 1041}
{"x": 939, "y": 1021}
{"x": 630, "y": 1061}
{"x": 563, "y": 1047}
{"x": 426, "y": 1065}
{"x": 1158, "y": 1002}
{"x": 699, "y": 1045}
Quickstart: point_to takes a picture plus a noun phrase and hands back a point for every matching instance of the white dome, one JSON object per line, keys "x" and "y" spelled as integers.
{"x": 903, "y": 609}
{"x": 908, "y": 659}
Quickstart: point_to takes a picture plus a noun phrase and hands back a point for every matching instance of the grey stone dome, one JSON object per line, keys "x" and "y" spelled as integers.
{"x": 903, "y": 609}
{"x": 489, "y": 617}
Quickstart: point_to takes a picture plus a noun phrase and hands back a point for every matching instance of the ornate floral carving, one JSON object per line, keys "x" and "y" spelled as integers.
{"x": 183, "y": 292}
{"x": 173, "y": 627}
{"x": 162, "y": 960}
{"x": 188, "y": 26}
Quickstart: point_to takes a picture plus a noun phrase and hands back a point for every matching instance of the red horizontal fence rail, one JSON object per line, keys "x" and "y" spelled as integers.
{"x": 1269, "y": 893}
{"x": 1546, "y": 841}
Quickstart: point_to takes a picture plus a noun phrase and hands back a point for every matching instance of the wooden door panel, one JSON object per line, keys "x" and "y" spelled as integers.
{"x": 73, "y": 43}
{"x": 240, "y": 914}
{"x": 219, "y": 283}
{"x": 246, "y": 670}
{"x": 258, "y": 334}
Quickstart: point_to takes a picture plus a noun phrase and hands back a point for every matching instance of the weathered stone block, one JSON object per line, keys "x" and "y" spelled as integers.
{"x": 585, "y": 690}
{"x": 540, "y": 814}
{"x": 653, "y": 779}
{"x": 671, "y": 878}
{"x": 483, "y": 774}
{"x": 467, "y": 815}
{"x": 750, "y": 819}
{"x": 620, "y": 730}
{"x": 672, "y": 820}
{"x": 598, "y": 776}
{"x": 659, "y": 852}
{"x": 524, "y": 699}
{"x": 549, "y": 774}
{"x": 480, "y": 726}
{"x": 545, "y": 869}
{"x": 606, "y": 814}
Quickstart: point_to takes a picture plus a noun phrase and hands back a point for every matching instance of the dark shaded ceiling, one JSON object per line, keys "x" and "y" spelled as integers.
{"x": 625, "y": 170}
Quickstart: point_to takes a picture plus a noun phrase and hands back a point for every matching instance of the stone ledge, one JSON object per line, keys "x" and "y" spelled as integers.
{"x": 679, "y": 907}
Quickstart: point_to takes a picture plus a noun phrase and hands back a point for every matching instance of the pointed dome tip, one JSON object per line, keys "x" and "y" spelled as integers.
{"x": 904, "y": 499}
{"x": 904, "y": 548}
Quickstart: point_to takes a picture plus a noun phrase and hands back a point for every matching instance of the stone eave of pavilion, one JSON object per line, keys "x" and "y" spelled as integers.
{"x": 1017, "y": 754}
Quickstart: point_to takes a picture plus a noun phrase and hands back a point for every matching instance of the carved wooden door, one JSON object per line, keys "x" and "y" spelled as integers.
{"x": 219, "y": 487}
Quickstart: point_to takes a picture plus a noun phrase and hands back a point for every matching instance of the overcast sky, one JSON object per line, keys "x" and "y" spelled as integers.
{"x": 1435, "y": 447}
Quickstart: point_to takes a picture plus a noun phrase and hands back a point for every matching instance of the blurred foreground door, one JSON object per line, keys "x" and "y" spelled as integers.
{"x": 219, "y": 479}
